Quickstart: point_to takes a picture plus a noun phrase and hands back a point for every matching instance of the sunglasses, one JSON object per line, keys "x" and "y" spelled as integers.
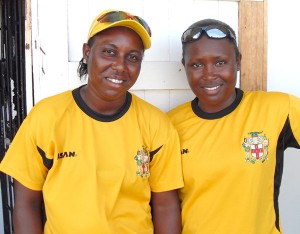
{"x": 212, "y": 31}
{"x": 114, "y": 16}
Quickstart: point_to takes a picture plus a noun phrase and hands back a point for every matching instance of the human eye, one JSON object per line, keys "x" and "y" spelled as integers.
{"x": 109, "y": 52}
{"x": 220, "y": 63}
{"x": 134, "y": 58}
{"x": 197, "y": 65}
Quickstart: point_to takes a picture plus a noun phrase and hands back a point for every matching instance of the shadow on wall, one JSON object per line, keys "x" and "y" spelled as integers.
{"x": 289, "y": 197}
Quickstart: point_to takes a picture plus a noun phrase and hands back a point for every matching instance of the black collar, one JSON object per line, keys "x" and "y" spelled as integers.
{"x": 219, "y": 114}
{"x": 97, "y": 116}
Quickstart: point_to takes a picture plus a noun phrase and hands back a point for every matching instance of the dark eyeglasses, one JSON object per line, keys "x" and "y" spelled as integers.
{"x": 114, "y": 16}
{"x": 212, "y": 31}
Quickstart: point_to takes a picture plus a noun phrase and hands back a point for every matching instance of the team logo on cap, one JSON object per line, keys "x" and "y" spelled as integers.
{"x": 256, "y": 147}
{"x": 142, "y": 162}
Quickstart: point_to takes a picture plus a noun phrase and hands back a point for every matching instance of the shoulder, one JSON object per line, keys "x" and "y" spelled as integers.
{"x": 57, "y": 99}
{"x": 181, "y": 112}
{"x": 269, "y": 97}
{"x": 52, "y": 106}
{"x": 178, "y": 109}
{"x": 266, "y": 95}
{"x": 272, "y": 102}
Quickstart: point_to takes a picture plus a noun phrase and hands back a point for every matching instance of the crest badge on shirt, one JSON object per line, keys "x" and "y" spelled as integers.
{"x": 142, "y": 163}
{"x": 256, "y": 147}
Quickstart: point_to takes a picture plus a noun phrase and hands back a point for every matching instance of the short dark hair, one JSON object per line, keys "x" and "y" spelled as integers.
{"x": 208, "y": 22}
{"x": 82, "y": 69}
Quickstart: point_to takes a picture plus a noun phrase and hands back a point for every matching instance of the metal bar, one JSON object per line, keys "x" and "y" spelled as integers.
{"x": 13, "y": 90}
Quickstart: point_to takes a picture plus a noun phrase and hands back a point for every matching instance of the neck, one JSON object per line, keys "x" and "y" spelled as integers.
{"x": 101, "y": 106}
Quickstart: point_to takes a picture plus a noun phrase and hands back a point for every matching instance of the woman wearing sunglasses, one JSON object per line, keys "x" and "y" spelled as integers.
{"x": 101, "y": 159}
{"x": 232, "y": 141}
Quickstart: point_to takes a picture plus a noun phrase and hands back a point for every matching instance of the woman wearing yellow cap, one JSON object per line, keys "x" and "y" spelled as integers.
{"x": 101, "y": 159}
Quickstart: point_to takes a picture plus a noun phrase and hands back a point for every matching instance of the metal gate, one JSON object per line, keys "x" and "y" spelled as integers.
{"x": 12, "y": 90}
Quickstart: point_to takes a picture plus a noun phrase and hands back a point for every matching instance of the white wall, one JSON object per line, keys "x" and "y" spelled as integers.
{"x": 284, "y": 75}
{"x": 162, "y": 80}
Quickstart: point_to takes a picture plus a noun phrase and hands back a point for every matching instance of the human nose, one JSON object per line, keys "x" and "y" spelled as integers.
{"x": 209, "y": 72}
{"x": 119, "y": 64}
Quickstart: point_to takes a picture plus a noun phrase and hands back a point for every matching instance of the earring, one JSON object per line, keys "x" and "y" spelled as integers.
{"x": 84, "y": 61}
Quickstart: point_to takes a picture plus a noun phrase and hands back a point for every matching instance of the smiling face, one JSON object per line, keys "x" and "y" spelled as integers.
{"x": 114, "y": 63}
{"x": 211, "y": 67}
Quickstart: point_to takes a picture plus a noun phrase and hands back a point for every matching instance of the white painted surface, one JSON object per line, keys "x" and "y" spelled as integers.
{"x": 59, "y": 43}
{"x": 284, "y": 75}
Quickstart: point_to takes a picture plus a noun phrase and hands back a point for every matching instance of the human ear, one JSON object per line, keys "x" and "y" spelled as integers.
{"x": 86, "y": 51}
{"x": 182, "y": 61}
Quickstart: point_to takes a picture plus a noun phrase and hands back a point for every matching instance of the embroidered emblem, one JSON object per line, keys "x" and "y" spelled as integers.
{"x": 142, "y": 163}
{"x": 256, "y": 147}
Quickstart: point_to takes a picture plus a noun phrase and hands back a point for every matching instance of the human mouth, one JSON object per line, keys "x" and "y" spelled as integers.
{"x": 115, "y": 81}
{"x": 212, "y": 88}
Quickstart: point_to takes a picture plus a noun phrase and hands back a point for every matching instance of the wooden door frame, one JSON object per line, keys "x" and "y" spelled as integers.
{"x": 253, "y": 36}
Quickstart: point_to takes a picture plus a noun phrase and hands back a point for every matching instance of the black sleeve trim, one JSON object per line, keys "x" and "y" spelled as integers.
{"x": 152, "y": 153}
{"x": 286, "y": 139}
{"x": 289, "y": 139}
{"x": 47, "y": 162}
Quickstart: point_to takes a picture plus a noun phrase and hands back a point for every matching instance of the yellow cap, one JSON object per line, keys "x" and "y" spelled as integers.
{"x": 124, "y": 19}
